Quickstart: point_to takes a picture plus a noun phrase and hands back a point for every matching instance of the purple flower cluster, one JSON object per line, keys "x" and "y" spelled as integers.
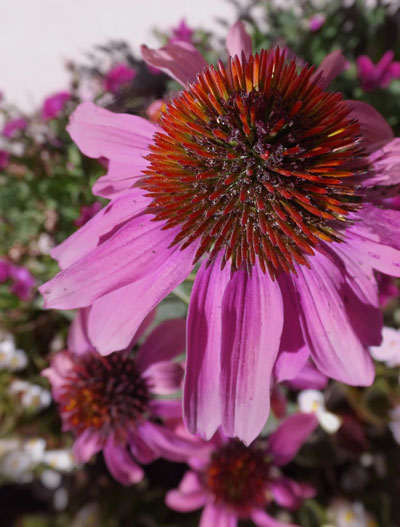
{"x": 22, "y": 281}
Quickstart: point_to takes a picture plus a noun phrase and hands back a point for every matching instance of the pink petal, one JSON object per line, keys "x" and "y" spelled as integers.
{"x": 78, "y": 339}
{"x": 249, "y": 349}
{"x": 288, "y": 438}
{"x": 214, "y": 516}
{"x": 121, "y": 465}
{"x": 168, "y": 444}
{"x": 262, "y": 519}
{"x": 386, "y": 165}
{"x": 293, "y": 352}
{"x": 101, "y": 227}
{"x": 190, "y": 495}
{"x": 101, "y": 133}
{"x": 376, "y": 239}
{"x": 115, "y": 318}
{"x": 308, "y": 378}
{"x": 238, "y": 40}
{"x": 366, "y": 73}
{"x": 140, "y": 449}
{"x": 164, "y": 377}
{"x": 61, "y": 366}
{"x": 134, "y": 251}
{"x": 285, "y": 493}
{"x": 166, "y": 409}
{"x": 112, "y": 188}
{"x": 180, "y": 60}
{"x": 86, "y": 445}
{"x": 165, "y": 342}
{"x": 335, "y": 347}
{"x": 375, "y": 130}
{"x": 201, "y": 391}
{"x": 332, "y": 66}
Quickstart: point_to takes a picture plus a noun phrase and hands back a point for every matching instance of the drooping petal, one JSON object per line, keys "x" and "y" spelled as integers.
{"x": 166, "y": 409}
{"x": 101, "y": 133}
{"x": 238, "y": 40}
{"x": 262, "y": 519}
{"x": 201, "y": 398}
{"x": 216, "y": 516}
{"x": 332, "y": 66}
{"x": 189, "y": 496}
{"x": 120, "y": 463}
{"x": 252, "y": 322}
{"x": 180, "y": 60}
{"x": 115, "y": 317}
{"x": 386, "y": 168}
{"x": 164, "y": 377}
{"x": 60, "y": 367}
{"x": 293, "y": 352}
{"x": 286, "y": 441}
{"x": 140, "y": 449}
{"x": 134, "y": 251}
{"x": 335, "y": 346}
{"x": 286, "y": 493}
{"x": 101, "y": 227}
{"x": 78, "y": 339}
{"x": 308, "y": 377}
{"x": 374, "y": 129}
{"x": 165, "y": 342}
{"x": 376, "y": 239}
{"x": 168, "y": 444}
{"x": 86, "y": 445}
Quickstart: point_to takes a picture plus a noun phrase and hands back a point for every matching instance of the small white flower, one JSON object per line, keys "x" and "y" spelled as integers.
{"x": 50, "y": 479}
{"x": 45, "y": 243}
{"x": 31, "y": 395}
{"x": 389, "y": 350}
{"x": 17, "y": 466}
{"x": 60, "y": 460}
{"x": 11, "y": 358}
{"x": 312, "y": 401}
{"x": 18, "y": 361}
{"x": 346, "y": 514}
{"x": 35, "y": 449}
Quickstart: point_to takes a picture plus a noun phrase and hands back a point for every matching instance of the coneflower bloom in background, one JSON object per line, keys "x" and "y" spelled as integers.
{"x": 232, "y": 481}
{"x": 260, "y": 175}
{"x": 109, "y": 403}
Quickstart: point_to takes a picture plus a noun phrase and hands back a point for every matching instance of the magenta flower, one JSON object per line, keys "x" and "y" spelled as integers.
{"x": 12, "y": 127}
{"x": 270, "y": 195}
{"x": 182, "y": 32}
{"x": 232, "y": 481}
{"x": 316, "y": 22}
{"x": 109, "y": 403}
{"x": 117, "y": 77}
{"x": 87, "y": 212}
{"x": 380, "y": 75}
{"x": 23, "y": 281}
{"x": 54, "y": 105}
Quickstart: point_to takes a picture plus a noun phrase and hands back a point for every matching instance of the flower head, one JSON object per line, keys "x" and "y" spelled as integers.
{"x": 117, "y": 77}
{"x": 233, "y": 481}
{"x": 54, "y": 105}
{"x": 259, "y": 173}
{"x": 316, "y": 22}
{"x": 380, "y": 75}
{"x": 182, "y": 32}
{"x": 108, "y": 402}
{"x": 12, "y": 127}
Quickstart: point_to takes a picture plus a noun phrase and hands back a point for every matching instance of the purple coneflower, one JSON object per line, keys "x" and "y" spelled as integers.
{"x": 260, "y": 175}
{"x": 120, "y": 75}
{"x": 232, "y": 481}
{"x": 109, "y": 403}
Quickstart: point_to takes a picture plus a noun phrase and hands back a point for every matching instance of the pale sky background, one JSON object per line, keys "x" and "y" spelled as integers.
{"x": 37, "y": 36}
